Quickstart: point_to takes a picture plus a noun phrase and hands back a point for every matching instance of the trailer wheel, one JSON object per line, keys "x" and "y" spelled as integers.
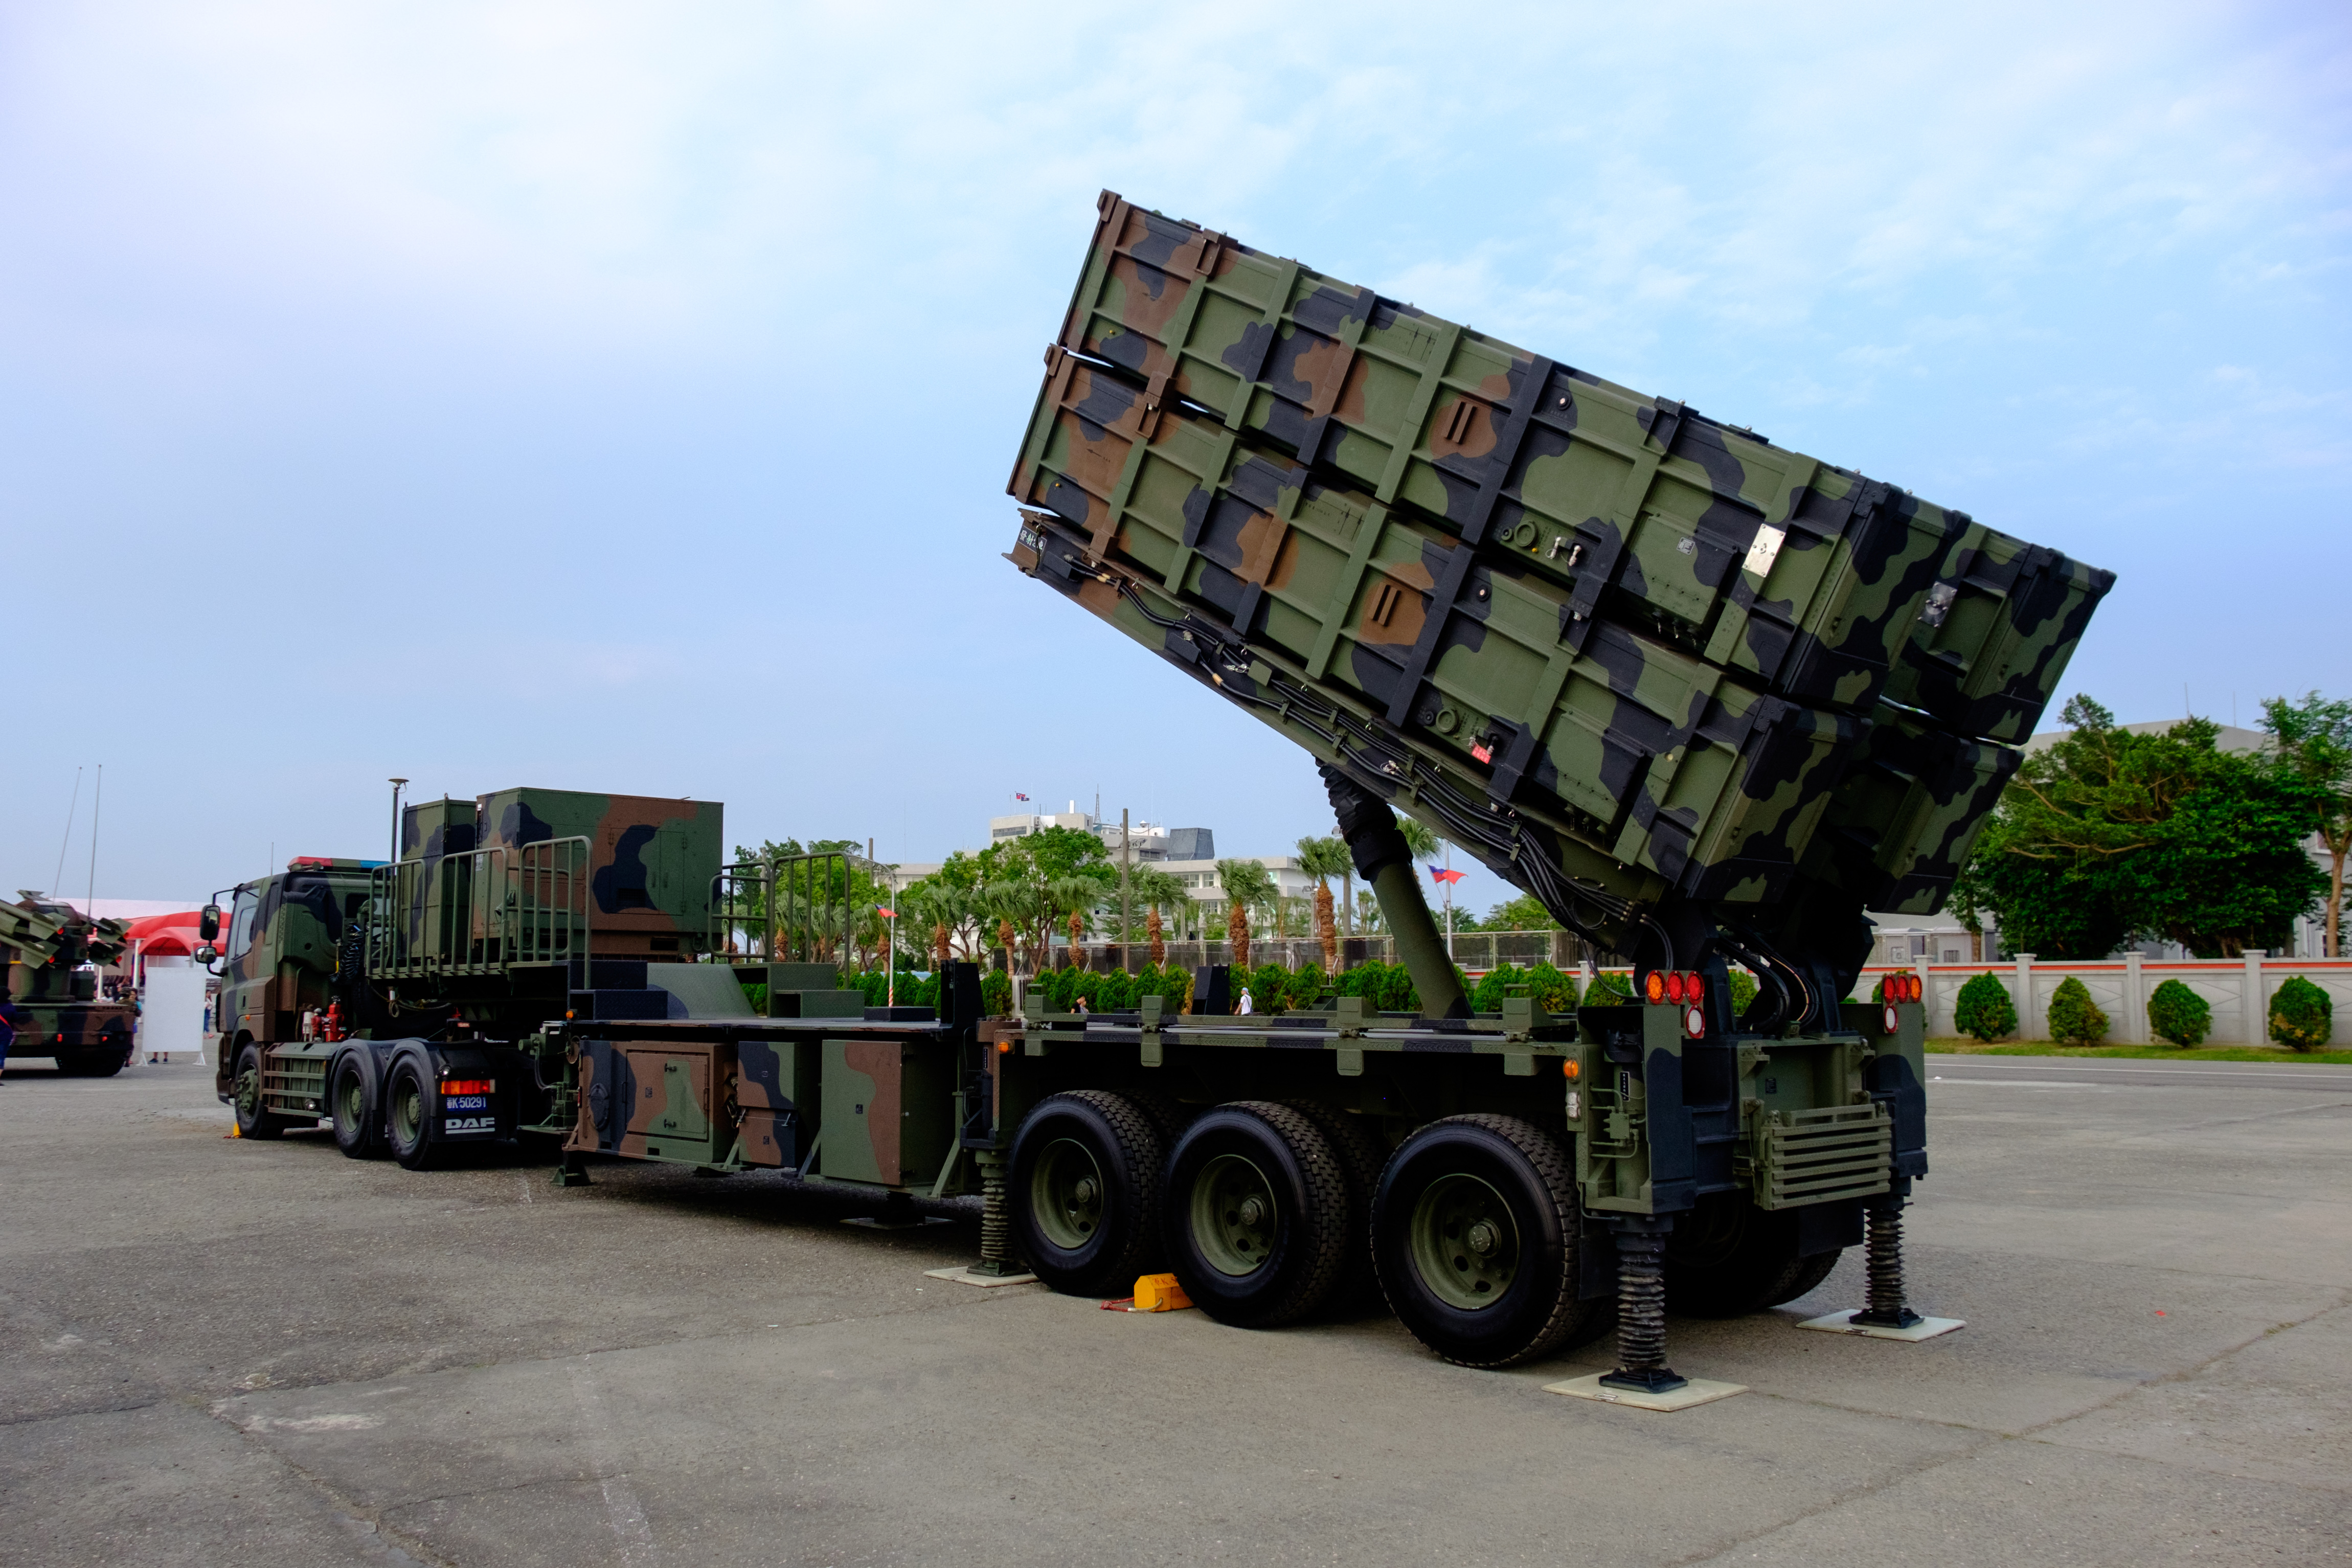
{"x": 1360, "y": 1158}
{"x": 1085, "y": 1190}
{"x": 1728, "y": 1257}
{"x": 408, "y": 1122}
{"x": 1475, "y": 1235}
{"x": 359, "y": 1120}
{"x": 252, "y": 1121}
{"x": 1256, "y": 1215}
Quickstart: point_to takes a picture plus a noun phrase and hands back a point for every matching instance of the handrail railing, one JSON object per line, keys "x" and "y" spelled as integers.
{"x": 479, "y": 911}
{"x": 791, "y": 909}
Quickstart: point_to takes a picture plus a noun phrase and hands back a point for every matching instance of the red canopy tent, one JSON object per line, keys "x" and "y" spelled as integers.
{"x": 168, "y": 936}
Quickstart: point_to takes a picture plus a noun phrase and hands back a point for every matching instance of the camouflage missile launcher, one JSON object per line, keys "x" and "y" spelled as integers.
{"x": 44, "y": 943}
{"x": 1668, "y": 677}
{"x": 1708, "y": 699}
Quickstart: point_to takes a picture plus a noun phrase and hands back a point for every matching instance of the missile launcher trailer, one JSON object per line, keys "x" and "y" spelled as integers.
{"x": 43, "y": 941}
{"x": 1708, "y": 699}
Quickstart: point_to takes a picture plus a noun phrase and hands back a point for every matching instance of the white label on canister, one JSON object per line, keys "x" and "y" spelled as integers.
{"x": 1764, "y": 549}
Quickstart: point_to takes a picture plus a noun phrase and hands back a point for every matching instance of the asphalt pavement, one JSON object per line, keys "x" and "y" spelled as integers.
{"x": 221, "y": 1352}
{"x": 2110, "y": 1072}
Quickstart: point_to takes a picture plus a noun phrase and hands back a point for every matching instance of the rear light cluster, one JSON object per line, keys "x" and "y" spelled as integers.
{"x": 1905, "y": 988}
{"x": 468, "y": 1085}
{"x": 1675, "y": 985}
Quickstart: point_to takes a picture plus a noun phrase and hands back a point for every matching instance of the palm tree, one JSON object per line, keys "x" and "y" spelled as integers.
{"x": 1324, "y": 859}
{"x": 1076, "y": 898}
{"x": 1423, "y": 843}
{"x": 1246, "y": 883}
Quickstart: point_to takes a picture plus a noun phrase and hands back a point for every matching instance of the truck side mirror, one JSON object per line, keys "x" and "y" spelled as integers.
{"x": 208, "y": 922}
{"x": 208, "y": 954}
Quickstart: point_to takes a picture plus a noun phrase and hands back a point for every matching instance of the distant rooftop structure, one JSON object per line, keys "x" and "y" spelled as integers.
{"x": 2231, "y": 738}
{"x": 1191, "y": 844}
{"x": 1152, "y": 842}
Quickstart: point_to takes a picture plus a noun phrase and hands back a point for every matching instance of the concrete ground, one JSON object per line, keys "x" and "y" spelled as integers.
{"x": 217, "y": 1352}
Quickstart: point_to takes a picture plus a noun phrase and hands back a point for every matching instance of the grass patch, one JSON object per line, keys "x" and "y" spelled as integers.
{"x": 2149, "y": 1052}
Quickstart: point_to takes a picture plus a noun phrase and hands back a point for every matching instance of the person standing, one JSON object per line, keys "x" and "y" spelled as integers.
{"x": 1247, "y": 1007}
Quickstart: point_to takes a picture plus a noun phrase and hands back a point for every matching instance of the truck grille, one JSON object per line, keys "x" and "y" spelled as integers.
{"x": 1823, "y": 1155}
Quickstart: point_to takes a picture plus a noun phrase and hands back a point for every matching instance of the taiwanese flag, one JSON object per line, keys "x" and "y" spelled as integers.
{"x": 1440, "y": 875}
{"x": 1021, "y": 796}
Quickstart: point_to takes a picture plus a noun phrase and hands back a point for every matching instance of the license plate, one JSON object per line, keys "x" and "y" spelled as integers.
{"x": 455, "y": 1103}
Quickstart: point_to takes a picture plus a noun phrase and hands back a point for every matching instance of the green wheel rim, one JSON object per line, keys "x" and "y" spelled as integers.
{"x": 350, "y": 1106}
{"x": 248, "y": 1095}
{"x": 1465, "y": 1245}
{"x": 1234, "y": 1216}
{"x": 1066, "y": 1194}
{"x": 408, "y": 1109}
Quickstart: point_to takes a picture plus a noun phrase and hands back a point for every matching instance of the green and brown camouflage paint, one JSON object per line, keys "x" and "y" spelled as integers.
{"x": 1558, "y": 619}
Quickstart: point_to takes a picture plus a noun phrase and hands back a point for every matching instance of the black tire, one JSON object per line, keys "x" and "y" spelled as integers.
{"x": 252, "y": 1121}
{"x": 355, "y": 1110}
{"x": 1084, "y": 1191}
{"x": 1360, "y": 1158}
{"x": 1167, "y": 1114}
{"x": 412, "y": 1116}
{"x": 1255, "y": 1210}
{"x": 1809, "y": 1277}
{"x": 1728, "y": 1257}
{"x": 1503, "y": 1192}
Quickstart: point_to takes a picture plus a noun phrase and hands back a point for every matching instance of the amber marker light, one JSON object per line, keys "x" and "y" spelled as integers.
{"x": 1654, "y": 987}
{"x": 1569, "y": 1070}
{"x": 1003, "y": 1048}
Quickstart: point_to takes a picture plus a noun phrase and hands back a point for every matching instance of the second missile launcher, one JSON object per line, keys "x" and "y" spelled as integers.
{"x": 1696, "y": 692}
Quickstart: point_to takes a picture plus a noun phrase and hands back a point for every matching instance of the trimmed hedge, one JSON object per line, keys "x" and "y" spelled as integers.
{"x": 1984, "y": 1010}
{"x": 2075, "y": 1019}
{"x": 2301, "y": 1015}
{"x": 2178, "y": 1014}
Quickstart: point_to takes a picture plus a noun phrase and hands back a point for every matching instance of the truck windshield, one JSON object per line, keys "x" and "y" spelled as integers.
{"x": 240, "y": 925}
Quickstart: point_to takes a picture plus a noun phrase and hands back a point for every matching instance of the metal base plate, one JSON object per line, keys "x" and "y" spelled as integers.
{"x": 962, "y": 1275}
{"x": 1698, "y": 1391}
{"x": 1843, "y": 1322}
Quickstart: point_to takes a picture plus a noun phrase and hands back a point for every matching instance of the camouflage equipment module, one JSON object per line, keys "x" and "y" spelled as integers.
{"x": 44, "y": 942}
{"x": 1688, "y": 688}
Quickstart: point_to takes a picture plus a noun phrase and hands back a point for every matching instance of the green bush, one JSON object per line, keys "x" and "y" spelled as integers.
{"x": 2302, "y": 1015}
{"x": 1387, "y": 987}
{"x": 1304, "y": 991}
{"x": 1983, "y": 1010}
{"x": 2178, "y": 1014}
{"x": 1553, "y": 989}
{"x": 755, "y": 994}
{"x": 2075, "y": 1019}
{"x": 1608, "y": 986}
{"x": 1499, "y": 983}
{"x": 996, "y": 992}
{"x": 1743, "y": 992}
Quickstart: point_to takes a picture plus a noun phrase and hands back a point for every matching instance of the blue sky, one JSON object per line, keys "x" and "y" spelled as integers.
{"x": 621, "y": 397}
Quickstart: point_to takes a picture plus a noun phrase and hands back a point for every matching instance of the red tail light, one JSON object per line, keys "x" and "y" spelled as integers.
{"x": 468, "y": 1085}
{"x": 1674, "y": 987}
{"x": 1694, "y": 988}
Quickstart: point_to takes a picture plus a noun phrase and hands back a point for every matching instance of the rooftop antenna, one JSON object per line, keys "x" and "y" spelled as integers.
{"x": 97, "y": 794}
{"x": 58, "y": 879}
{"x": 395, "y": 783}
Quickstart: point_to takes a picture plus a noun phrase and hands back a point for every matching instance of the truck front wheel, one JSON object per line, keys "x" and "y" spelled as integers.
{"x": 359, "y": 1120}
{"x": 409, "y": 1116}
{"x": 1475, "y": 1233}
{"x": 1084, "y": 1187}
{"x": 252, "y": 1120}
{"x": 1256, "y": 1215}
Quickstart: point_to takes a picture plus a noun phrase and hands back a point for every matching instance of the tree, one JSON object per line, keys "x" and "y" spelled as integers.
{"x": 1246, "y": 883}
{"x": 1019, "y": 877}
{"x": 1324, "y": 859}
{"x": 2108, "y": 837}
{"x": 2315, "y": 740}
{"x": 1418, "y": 839}
{"x": 1525, "y": 912}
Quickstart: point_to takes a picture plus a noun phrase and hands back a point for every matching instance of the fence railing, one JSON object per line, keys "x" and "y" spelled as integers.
{"x": 479, "y": 911}
{"x": 1475, "y": 951}
{"x": 790, "y": 910}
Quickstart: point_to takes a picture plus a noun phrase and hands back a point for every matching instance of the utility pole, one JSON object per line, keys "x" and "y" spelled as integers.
{"x": 1126, "y": 861}
{"x": 396, "y": 785}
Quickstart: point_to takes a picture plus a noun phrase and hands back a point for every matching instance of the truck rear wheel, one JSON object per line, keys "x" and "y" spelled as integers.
{"x": 1728, "y": 1257}
{"x": 252, "y": 1120}
{"x": 1256, "y": 1215}
{"x": 1475, "y": 1233}
{"x": 1360, "y": 1158}
{"x": 1085, "y": 1191}
{"x": 409, "y": 1123}
{"x": 359, "y": 1120}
